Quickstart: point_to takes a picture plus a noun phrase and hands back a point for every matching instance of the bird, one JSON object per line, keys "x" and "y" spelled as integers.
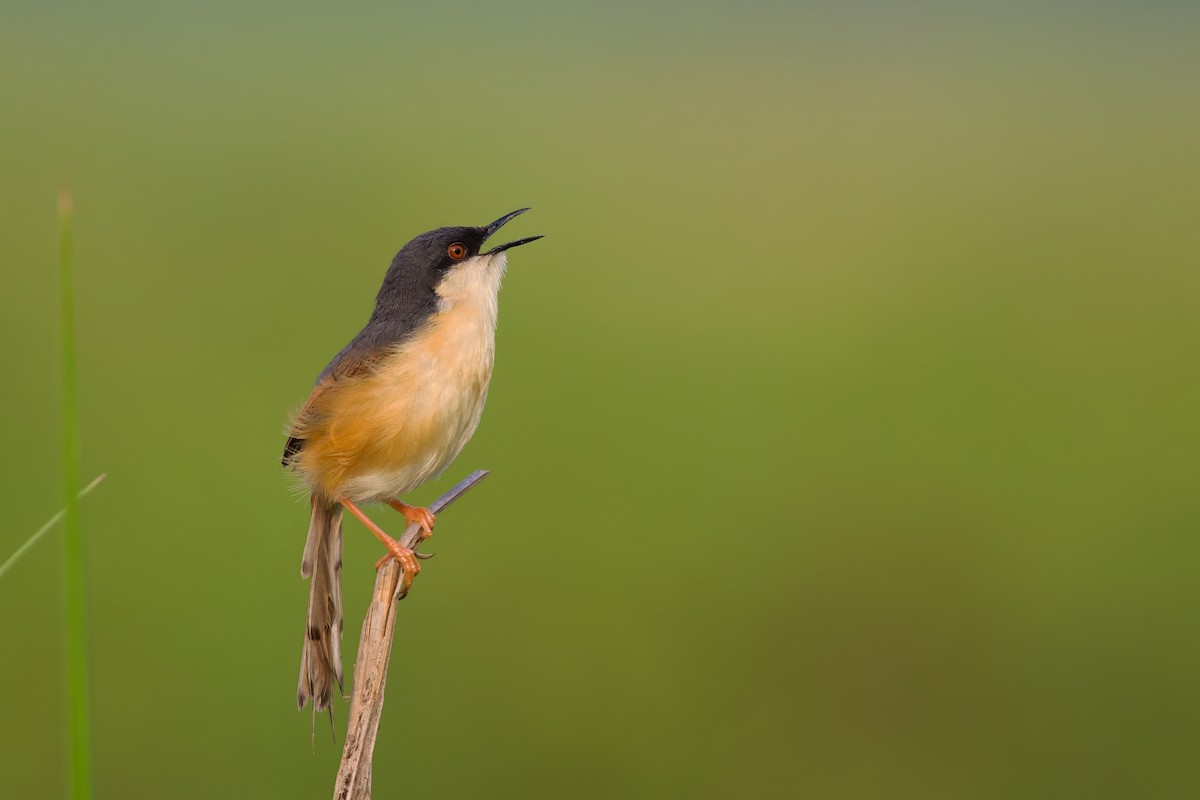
{"x": 391, "y": 411}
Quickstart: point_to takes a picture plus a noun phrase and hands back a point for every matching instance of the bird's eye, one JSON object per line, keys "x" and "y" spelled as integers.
{"x": 456, "y": 251}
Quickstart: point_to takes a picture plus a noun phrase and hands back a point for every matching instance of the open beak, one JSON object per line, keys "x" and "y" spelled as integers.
{"x": 497, "y": 225}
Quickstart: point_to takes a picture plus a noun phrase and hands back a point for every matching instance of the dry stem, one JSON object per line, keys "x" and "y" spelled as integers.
{"x": 370, "y": 668}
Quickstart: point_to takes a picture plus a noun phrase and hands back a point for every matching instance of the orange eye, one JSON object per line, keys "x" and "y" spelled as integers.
{"x": 457, "y": 251}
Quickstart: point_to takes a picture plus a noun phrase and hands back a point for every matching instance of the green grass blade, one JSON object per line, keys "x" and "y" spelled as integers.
{"x": 42, "y": 531}
{"x": 78, "y": 705}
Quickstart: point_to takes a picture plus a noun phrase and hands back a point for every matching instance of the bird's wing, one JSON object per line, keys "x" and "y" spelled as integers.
{"x": 360, "y": 357}
{"x": 353, "y": 362}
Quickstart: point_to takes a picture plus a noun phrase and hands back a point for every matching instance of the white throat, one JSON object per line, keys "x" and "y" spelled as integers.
{"x": 475, "y": 283}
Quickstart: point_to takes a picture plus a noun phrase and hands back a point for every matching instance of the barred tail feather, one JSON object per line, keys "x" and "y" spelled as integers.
{"x": 321, "y": 658}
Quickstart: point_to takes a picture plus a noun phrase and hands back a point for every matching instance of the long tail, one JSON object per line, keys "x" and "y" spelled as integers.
{"x": 321, "y": 659}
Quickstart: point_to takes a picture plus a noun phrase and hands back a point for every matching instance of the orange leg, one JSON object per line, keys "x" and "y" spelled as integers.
{"x": 406, "y": 557}
{"x": 422, "y": 516}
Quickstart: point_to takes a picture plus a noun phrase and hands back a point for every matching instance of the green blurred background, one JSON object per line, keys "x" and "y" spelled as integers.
{"x": 844, "y": 425}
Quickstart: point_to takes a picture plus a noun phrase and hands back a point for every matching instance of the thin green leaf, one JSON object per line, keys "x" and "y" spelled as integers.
{"x": 42, "y": 531}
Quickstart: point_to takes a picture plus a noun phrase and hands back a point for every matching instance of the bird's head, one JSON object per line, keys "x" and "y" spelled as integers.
{"x": 446, "y": 260}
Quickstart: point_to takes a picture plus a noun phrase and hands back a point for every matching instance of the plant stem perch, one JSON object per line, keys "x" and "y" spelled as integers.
{"x": 370, "y": 667}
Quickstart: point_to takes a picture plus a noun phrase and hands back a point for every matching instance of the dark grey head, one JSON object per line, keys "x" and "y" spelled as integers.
{"x": 409, "y": 296}
{"x": 425, "y": 261}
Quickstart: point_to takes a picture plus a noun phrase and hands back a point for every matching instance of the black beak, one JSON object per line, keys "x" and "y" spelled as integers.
{"x": 488, "y": 230}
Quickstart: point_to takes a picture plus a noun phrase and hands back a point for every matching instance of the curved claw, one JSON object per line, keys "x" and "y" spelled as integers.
{"x": 421, "y": 556}
{"x": 406, "y": 580}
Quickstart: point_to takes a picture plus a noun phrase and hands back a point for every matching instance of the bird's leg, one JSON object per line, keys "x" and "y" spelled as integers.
{"x": 421, "y": 516}
{"x": 406, "y": 557}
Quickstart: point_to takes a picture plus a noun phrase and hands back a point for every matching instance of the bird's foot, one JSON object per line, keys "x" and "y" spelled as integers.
{"x": 408, "y": 562}
{"x": 421, "y": 516}
{"x": 404, "y": 555}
